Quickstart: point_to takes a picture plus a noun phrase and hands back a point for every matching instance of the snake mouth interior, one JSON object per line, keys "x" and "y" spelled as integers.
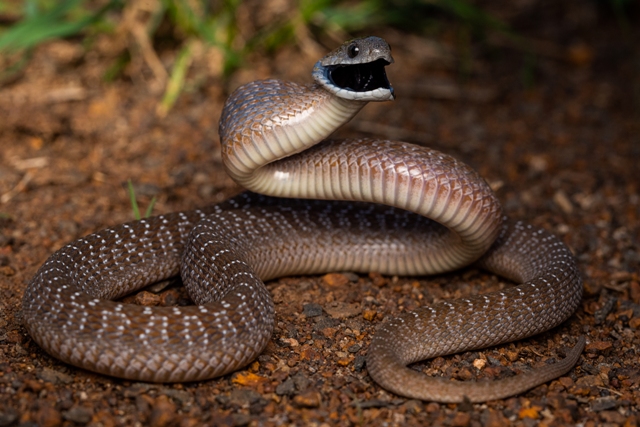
{"x": 360, "y": 77}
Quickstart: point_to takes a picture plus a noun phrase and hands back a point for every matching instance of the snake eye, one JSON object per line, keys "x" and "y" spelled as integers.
{"x": 353, "y": 50}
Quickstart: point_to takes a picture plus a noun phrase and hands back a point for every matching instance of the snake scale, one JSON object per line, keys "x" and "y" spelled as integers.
{"x": 316, "y": 205}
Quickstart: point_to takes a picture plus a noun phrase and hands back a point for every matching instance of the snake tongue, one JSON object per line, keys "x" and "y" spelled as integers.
{"x": 360, "y": 77}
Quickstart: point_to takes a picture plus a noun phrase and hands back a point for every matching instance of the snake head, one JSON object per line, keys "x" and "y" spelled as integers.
{"x": 355, "y": 70}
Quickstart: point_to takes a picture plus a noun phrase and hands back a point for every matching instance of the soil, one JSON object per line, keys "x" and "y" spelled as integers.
{"x": 555, "y": 134}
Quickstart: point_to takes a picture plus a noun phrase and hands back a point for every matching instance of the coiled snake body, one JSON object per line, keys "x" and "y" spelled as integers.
{"x": 439, "y": 215}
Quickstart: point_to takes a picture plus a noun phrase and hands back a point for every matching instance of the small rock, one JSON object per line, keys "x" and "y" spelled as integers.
{"x": 248, "y": 379}
{"x": 563, "y": 202}
{"x": 479, "y": 363}
{"x": 413, "y": 406}
{"x": 147, "y": 299}
{"x": 244, "y": 398}
{"x": 341, "y": 310}
{"x": 532, "y": 412}
{"x": 359, "y": 362}
{"x": 241, "y": 420}
{"x": 556, "y": 401}
{"x": 335, "y": 279}
{"x": 287, "y": 388}
{"x": 432, "y": 407}
{"x": 590, "y": 381}
{"x": 308, "y": 399}
{"x": 312, "y": 310}
{"x": 78, "y": 414}
{"x": 513, "y": 355}
{"x": 566, "y": 382}
{"x": 464, "y": 374}
{"x": 369, "y": 315}
{"x": 613, "y": 418}
{"x": 593, "y": 370}
{"x": 599, "y": 345}
{"x": 48, "y": 416}
{"x": 324, "y": 323}
{"x": 301, "y": 382}
{"x": 163, "y": 412}
{"x": 7, "y": 417}
{"x": 353, "y": 277}
{"x": 181, "y": 396}
{"x": 7, "y": 271}
{"x": 354, "y": 348}
{"x": 601, "y": 314}
{"x": 33, "y": 385}
{"x": 136, "y": 389}
{"x": 223, "y": 400}
{"x": 493, "y": 418}
{"x": 51, "y": 376}
{"x": 461, "y": 419}
{"x": 378, "y": 279}
{"x": 344, "y": 361}
{"x": 604, "y": 403}
{"x": 169, "y": 298}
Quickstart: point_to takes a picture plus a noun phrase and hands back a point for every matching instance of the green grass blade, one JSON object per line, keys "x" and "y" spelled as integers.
{"x": 37, "y": 28}
{"x": 147, "y": 213}
{"x": 134, "y": 203}
{"x": 176, "y": 80}
{"x": 132, "y": 198}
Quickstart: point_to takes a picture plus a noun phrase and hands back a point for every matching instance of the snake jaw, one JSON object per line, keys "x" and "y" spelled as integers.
{"x": 356, "y": 70}
{"x": 358, "y": 82}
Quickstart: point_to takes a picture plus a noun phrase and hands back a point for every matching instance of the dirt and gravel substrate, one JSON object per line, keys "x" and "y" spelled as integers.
{"x": 556, "y": 136}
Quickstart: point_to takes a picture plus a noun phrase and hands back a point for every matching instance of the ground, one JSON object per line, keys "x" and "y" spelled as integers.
{"x": 556, "y": 136}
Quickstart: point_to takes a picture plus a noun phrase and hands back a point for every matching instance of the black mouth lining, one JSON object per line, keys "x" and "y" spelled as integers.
{"x": 360, "y": 77}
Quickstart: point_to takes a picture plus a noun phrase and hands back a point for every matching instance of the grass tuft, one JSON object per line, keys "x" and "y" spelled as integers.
{"x": 134, "y": 203}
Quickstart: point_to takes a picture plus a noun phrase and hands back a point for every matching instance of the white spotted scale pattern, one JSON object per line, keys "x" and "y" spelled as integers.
{"x": 550, "y": 291}
{"x": 224, "y": 250}
{"x": 273, "y": 143}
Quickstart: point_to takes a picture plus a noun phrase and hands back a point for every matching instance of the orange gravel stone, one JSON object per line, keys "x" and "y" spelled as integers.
{"x": 599, "y": 345}
{"x": 335, "y": 279}
{"x": 308, "y": 399}
{"x": 369, "y": 315}
{"x": 248, "y": 379}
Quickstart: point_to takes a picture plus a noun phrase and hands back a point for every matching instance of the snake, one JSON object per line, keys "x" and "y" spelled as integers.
{"x": 314, "y": 205}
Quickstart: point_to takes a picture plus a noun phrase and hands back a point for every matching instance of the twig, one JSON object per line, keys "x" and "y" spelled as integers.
{"x": 140, "y": 35}
{"x": 20, "y": 186}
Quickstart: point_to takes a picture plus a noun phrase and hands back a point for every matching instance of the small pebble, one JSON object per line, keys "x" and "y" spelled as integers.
{"x": 78, "y": 414}
{"x": 312, "y": 310}
{"x": 308, "y": 399}
{"x": 287, "y": 388}
{"x": 369, "y": 315}
{"x": 335, "y": 279}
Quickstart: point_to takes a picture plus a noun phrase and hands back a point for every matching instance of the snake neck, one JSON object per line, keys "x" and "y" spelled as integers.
{"x": 268, "y": 120}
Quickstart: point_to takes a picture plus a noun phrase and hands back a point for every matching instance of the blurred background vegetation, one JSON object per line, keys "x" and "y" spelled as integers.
{"x": 25, "y": 24}
{"x": 233, "y": 29}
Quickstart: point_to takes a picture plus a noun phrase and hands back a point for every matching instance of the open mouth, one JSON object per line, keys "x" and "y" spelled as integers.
{"x": 360, "y": 77}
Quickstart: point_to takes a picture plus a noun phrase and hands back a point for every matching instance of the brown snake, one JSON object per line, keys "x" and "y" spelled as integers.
{"x": 439, "y": 215}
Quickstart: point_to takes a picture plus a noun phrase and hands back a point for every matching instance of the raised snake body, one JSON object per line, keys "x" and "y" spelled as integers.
{"x": 273, "y": 137}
